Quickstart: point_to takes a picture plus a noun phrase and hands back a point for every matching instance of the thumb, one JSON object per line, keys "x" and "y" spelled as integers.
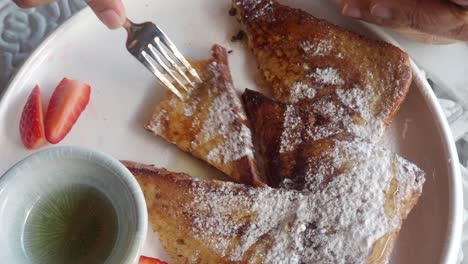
{"x": 434, "y": 17}
{"x": 110, "y": 12}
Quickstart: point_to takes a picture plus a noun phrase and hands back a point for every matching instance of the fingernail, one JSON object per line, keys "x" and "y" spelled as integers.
{"x": 460, "y": 2}
{"x": 110, "y": 18}
{"x": 351, "y": 11}
{"x": 378, "y": 10}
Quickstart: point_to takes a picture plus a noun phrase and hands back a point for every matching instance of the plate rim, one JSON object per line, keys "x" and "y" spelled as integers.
{"x": 454, "y": 230}
{"x": 456, "y": 209}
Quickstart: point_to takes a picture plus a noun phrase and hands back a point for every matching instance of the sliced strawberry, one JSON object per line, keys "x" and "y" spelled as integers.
{"x": 66, "y": 104}
{"x": 32, "y": 121}
{"x": 148, "y": 260}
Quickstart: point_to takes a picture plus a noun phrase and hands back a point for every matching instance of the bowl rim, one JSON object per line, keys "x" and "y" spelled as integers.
{"x": 95, "y": 158}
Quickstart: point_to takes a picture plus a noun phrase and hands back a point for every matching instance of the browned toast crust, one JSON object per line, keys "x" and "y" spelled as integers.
{"x": 210, "y": 124}
{"x": 324, "y": 68}
{"x": 267, "y": 122}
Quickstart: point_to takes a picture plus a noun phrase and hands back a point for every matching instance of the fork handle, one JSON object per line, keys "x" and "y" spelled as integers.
{"x": 128, "y": 24}
{"x": 131, "y": 28}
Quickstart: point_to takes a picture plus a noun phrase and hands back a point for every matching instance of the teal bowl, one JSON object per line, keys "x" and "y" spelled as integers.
{"x": 71, "y": 205}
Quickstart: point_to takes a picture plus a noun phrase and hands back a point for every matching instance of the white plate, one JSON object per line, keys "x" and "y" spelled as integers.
{"x": 124, "y": 94}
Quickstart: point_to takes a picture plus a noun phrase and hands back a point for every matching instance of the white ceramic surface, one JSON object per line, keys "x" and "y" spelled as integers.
{"x": 25, "y": 184}
{"x": 124, "y": 94}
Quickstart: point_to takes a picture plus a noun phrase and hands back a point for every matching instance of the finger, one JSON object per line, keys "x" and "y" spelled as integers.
{"x": 439, "y": 18}
{"x": 354, "y": 8}
{"x": 463, "y": 3}
{"x": 110, "y": 12}
{"x": 31, "y": 3}
{"x": 424, "y": 37}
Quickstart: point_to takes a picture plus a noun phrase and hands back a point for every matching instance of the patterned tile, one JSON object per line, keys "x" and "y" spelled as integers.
{"x": 21, "y": 30}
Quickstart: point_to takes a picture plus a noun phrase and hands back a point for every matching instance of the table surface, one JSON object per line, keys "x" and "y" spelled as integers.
{"x": 22, "y": 30}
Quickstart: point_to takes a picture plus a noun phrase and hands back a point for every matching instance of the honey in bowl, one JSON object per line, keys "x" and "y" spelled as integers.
{"x": 76, "y": 224}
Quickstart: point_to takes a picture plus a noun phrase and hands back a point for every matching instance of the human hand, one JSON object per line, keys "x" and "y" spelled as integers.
{"x": 110, "y": 12}
{"x": 432, "y": 21}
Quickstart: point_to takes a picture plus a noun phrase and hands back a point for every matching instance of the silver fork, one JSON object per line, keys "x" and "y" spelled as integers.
{"x": 148, "y": 44}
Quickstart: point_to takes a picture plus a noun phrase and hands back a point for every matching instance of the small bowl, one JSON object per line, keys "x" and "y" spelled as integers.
{"x": 45, "y": 172}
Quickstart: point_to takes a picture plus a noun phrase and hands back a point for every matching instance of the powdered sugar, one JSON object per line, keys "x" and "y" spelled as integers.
{"x": 358, "y": 100}
{"x": 301, "y": 91}
{"x": 362, "y": 102}
{"x": 322, "y": 131}
{"x": 255, "y": 8}
{"x": 335, "y": 221}
{"x": 291, "y": 136}
{"x": 258, "y": 212}
{"x": 225, "y": 120}
{"x": 328, "y": 76}
{"x": 352, "y": 112}
{"x": 317, "y": 49}
{"x": 191, "y": 107}
{"x": 349, "y": 214}
{"x": 157, "y": 124}
{"x": 235, "y": 147}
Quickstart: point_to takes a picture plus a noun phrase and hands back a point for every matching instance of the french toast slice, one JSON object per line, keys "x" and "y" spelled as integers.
{"x": 347, "y": 220}
{"x": 200, "y": 221}
{"x": 211, "y": 123}
{"x": 342, "y": 77}
{"x": 292, "y": 158}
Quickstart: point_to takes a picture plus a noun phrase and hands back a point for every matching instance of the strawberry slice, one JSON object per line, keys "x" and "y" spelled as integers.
{"x": 148, "y": 260}
{"x": 69, "y": 99}
{"x": 32, "y": 121}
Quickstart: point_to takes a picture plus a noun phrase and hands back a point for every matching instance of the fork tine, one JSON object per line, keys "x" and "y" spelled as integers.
{"x": 165, "y": 39}
{"x": 172, "y": 62}
{"x": 149, "y": 64}
{"x": 164, "y": 66}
